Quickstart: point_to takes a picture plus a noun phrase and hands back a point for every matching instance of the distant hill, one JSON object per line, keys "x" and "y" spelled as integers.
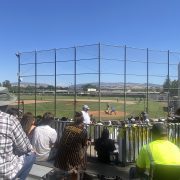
{"x": 121, "y": 85}
{"x": 103, "y": 85}
{"x": 25, "y": 84}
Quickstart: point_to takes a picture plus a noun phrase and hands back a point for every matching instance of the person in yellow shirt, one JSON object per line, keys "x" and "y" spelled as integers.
{"x": 160, "y": 151}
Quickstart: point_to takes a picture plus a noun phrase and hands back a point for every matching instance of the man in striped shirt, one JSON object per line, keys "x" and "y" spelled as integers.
{"x": 16, "y": 153}
{"x": 71, "y": 153}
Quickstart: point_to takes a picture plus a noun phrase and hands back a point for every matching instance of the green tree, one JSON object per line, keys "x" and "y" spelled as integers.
{"x": 171, "y": 87}
{"x": 166, "y": 84}
{"x": 174, "y": 88}
{"x": 7, "y": 84}
{"x": 50, "y": 87}
{"x": 87, "y": 86}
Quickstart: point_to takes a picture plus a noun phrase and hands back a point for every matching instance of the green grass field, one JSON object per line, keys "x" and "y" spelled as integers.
{"x": 65, "y": 106}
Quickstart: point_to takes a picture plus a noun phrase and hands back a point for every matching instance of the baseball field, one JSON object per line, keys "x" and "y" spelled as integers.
{"x": 64, "y": 106}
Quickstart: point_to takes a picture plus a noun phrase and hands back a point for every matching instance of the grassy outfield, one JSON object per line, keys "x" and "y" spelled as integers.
{"x": 65, "y": 106}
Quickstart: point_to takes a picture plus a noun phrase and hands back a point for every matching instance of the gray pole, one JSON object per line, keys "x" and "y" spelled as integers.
{"x": 55, "y": 82}
{"x": 19, "y": 79}
{"x": 75, "y": 90}
{"x": 35, "y": 90}
{"x": 125, "y": 82}
{"x": 147, "y": 86}
{"x": 99, "y": 57}
{"x": 168, "y": 84}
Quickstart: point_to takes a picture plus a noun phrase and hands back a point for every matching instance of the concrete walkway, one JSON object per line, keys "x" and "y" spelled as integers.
{"x": 94, "y": 167}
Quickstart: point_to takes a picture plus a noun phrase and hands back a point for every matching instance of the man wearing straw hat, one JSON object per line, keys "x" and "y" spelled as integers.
{"x": 16, "y": 154}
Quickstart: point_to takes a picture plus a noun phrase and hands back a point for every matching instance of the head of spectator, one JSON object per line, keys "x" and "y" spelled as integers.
{"x": 27, "y": 122}
{"x": 6, "y": 99}
{"x": 177, "y": 116}
{"x": 159, "y": 131}
{"x": 85, "y": 108}
{"x": 78, "y": 118}
{"x": 64, "y": 118}
{"x": 177, "y": 112}
{"x": 47, "y": 119}
{"x": 13, "y": 111}
{"x": 38, "y": 120}
{"x": 105, "y": 134}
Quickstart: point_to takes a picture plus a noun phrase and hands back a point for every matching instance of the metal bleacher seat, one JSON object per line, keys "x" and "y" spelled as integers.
{"x": 164, "y": 172}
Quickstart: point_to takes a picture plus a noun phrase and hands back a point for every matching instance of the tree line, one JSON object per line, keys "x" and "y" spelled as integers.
{"x": 169, "y": 85}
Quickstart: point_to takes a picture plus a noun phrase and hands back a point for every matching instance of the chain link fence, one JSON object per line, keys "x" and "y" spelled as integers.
{"x": 129, "y": 80}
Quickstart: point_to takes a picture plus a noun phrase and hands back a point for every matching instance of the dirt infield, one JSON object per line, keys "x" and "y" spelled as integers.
{"x": 103, "y": 114}
{"x": 30, "y": 102}
{"x": 96, "y": 100}
{"x": 71, "y": 100}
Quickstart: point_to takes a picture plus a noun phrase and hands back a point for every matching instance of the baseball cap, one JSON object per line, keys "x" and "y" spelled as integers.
{"x": 85, "y": 107}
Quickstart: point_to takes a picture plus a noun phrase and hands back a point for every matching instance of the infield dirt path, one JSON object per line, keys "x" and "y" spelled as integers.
{"x": 103, "y": 114}
{"x": 78, "y": 100}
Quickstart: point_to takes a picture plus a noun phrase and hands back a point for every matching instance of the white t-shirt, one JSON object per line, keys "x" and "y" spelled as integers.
{"x": 86, "y": 117}
{"x": 44, "y": 136}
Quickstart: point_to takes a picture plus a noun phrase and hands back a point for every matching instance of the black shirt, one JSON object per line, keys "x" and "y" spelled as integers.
{"x": 104, "y": 147}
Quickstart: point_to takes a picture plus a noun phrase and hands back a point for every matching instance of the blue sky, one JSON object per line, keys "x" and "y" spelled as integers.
{"x": 46, "y": 24}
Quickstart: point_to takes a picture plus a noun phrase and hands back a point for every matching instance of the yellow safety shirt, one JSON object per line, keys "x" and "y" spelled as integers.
{"x": 163, "y": 152}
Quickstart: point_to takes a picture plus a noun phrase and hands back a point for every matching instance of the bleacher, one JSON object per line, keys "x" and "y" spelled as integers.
{"x": 129, "y": 140}
{"x": 94, "y": 169}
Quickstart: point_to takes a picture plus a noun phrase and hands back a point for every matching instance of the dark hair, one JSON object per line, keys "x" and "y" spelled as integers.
{"x": 105, "y": 134}
{"x": 47, "y": 119}
{"x": 78, "y": 117}
{"x": 12, "y": 111}
{"x": 159, "y": 130}
{"x": 27, "y": 121}
{"x": 64, "y": 118}
{"x": 177, "y": 112}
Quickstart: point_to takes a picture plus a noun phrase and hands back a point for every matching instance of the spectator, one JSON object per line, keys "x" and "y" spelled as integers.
{"x": 177, "y": 112}
{"x": 44, "y": 137}
{"x": 16, "y": 153}
{"x": 86, "y": 117}
{"x": 72, "y": 146}
{"x": 144, "y": 117}
{"x": 176, "y": 118}
{"x": 92, "y": 118}
{"x": 162, "y": 151}
{"x": 27, "y": 123}
{"x": 104, "y": 147}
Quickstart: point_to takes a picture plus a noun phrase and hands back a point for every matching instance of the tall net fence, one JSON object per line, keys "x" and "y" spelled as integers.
{"x": 116, "y": 82}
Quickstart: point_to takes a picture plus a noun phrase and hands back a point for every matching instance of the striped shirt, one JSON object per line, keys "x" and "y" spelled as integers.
{"x": 13, "y": 145}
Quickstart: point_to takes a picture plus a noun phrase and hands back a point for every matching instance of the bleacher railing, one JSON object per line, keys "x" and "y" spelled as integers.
{"x": 129, "y": 139}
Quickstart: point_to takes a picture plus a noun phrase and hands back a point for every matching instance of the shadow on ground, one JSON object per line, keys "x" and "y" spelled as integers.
{"x": 108, "y": 170}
